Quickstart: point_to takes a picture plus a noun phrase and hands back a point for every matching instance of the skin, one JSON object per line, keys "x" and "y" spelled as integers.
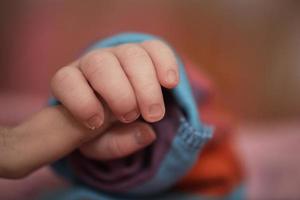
{"x": 103, "y": 94}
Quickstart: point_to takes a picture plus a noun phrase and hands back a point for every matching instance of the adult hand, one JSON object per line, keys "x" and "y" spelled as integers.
{"x": 53, "y": 133}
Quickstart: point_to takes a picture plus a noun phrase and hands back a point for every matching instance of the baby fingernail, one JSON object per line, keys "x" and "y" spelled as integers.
{"x": 155, "y": 111}
{"x": 130, "y": 116}
{"x": 171, "y": 77}
{"x": 94, "y": 122}
{"x": 144, "y": 136}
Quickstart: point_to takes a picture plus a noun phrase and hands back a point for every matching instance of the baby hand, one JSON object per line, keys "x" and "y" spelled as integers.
{"x": 128, "y": 78}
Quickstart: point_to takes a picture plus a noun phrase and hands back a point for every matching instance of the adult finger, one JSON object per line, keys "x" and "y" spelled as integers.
{"x": 119, "y": 141}
{"x": 47, "y": 136}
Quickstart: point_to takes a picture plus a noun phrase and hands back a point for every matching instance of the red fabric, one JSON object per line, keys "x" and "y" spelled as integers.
{"x": 217, "y": 171}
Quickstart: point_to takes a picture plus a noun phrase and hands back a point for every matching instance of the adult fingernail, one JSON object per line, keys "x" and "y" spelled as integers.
{"x": 171, "y": 77}
{"x": 144, "y": 136}
{"x": 155, "y": 111}
{"x": 130, "y": 116}
{"x": 94, "y": 122}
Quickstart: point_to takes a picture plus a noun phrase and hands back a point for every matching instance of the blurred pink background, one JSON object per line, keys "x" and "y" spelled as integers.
{"x": 250, "y": 49}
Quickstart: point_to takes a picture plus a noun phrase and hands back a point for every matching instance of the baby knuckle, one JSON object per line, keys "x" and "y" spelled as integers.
{"x": 96, "y": 57}
{"x": 61, "y": 76}
{"x": 95, "y": 61}
{"x": 132, "y": 50}
{"x": 160, "y": 46}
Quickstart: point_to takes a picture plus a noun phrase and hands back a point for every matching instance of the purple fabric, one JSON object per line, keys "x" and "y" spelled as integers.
{"x": 122, "y": 174}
